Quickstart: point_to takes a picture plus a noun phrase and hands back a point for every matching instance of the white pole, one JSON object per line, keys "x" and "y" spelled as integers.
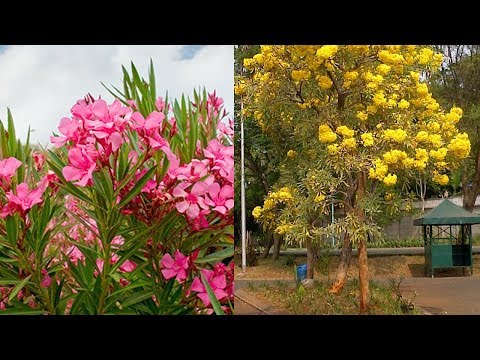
{"x": 244, "y": 218}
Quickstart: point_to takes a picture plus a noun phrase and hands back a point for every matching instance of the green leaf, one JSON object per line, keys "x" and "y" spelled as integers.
{"x": 18, "y": 287}
{"x": 14, "y": 311}
{"x": 12, "y": 137}
{"x": 137, "y": 297}
{"x": 213, "y": 299}
{"x": 138, "y": 187}
{"x": 216, "y": 256}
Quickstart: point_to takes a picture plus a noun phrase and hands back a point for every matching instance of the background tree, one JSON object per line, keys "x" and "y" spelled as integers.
{"x": 378, "y": 126}
{"x": 458, "y": 84}
{"x": 260, "y": 158}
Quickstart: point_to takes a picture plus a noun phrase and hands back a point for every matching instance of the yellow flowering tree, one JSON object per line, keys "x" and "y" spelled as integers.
{"x": 376, "y": 122}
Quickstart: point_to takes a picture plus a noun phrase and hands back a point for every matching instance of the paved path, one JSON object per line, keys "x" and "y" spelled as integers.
{"x": 446, "y": 295}
{"x": 437, "y": 296}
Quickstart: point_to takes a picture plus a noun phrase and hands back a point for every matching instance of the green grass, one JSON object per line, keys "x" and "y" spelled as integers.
{"x": 318, "y": 301}
{"x": 407, "y": 243}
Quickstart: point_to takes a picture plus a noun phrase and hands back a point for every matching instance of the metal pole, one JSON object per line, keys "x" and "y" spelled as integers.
{"x": 244, "y": 218}
{"x": 333, "y": 220}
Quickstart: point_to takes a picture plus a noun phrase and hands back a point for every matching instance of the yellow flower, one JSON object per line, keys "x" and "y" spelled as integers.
{"x": 433, "y": 126}
{"x": 425, "y": 56}
{"x": 403, "y": 104}
{"x": 257, "y": 212}
{"x": 324, "y": 82}
{"x": 383, "y": 69}
{"x": 397, "y": 135}
{"x": 371, "y": 109}
{"x": 422, "y": 90}
{"x": 326, "y": 135}
{"x": 422, "y": 136}
{"x": 390, "y": 180}
{"x": 249, "y": 64}
{"x": 367, "y": 139}
{"x": 408, "y": 162}
{"x": 350, "y": 76}
{"x": 389, "y": 196}
{"x": 440, "y": 179}
{"x": 350, "y": 143}
{"x": 439, "y": 154}
{"x": 259, "y": 58}
{"x": 362, "y": 115}
{"x": 292, "y": 154}
{"x": 332, "y": 149}
{"x": 345, "y": 131}
{"x": 299, "y": 75}
{"x": 460, "y": 146}
{"x": 240, "y": 88}
{"x": 319, "y": 198}
{"x": 327, "y": 51}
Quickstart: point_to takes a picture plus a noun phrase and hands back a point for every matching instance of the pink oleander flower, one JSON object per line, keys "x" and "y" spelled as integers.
{"x": 23, "y": 201}
{"x": 47, "y": 280}
{"x": 8, "y": 167}
{"x": 193, "y": 201}
{"x": 128, "y": 266}
{"x": 81, "y": 168}
{"x": 175, "y": 268}
{"x": 221, "y": 157}
{"x": 149, "y": 128}
{"x": 47, "y": 181}
{"x": 225, "y": 129}
{"x": 217, "y": 282}
{"x": 220, "y": 198}
{"x": 107, "y": 123}
{"x": 38, "y": 159}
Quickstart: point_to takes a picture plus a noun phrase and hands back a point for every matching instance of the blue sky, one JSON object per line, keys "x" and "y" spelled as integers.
{"x": 41, "y": 83}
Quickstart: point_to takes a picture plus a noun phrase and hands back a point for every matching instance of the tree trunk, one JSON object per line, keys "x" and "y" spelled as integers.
{"x": 345, "y": 257}
{"x": 268, "y": 246}
{"x": 362, "y": 249}
{"x": 277, "y": 242}
{"x": 310, "y": 258}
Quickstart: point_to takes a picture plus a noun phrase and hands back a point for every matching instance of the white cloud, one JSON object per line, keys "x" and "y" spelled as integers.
{"x": 41, "y": 83}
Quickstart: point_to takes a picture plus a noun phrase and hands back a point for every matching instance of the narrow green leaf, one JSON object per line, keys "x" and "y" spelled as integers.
{"x": 137, "y": 297}
{"x": 18, "y": 287}
{"x": 216, "y": 256}
{"x": 213, "y": 299}
{"x": 138, "y": 187}
{"x": 15, "y": 311}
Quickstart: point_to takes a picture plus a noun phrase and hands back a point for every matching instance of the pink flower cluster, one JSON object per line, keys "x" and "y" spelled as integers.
{"x": 220, "y": 278}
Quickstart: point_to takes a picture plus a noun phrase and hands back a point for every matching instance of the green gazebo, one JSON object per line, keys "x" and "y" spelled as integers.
{"x": 447, "y": 234}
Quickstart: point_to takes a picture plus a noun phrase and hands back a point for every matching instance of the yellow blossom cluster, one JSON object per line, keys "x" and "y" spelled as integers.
{"x": 325, "y": 134}
{"x": 397, "y": 135}
{"x": 460, "y": 146}
{"x": 319, "y": 198}
{"x": 440, "y": 179}
{"x": 292, "y": 154}
{"x": 282, "y": 229}
{"x": 380, "y": 109}
{"x": 257, "y": 212}
{"x": 390, "y": 180}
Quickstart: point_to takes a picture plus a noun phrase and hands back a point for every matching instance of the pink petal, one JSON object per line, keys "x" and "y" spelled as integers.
{"x": 71, "y": 173}
{"x": 128, "y": 266}
{"x": 100, "y": 109}
{"x": 218, "y": 282}
{"x": 197, "y": 285}
{"x": 167, "y": 261}
{"x": 179, "y": 192}
{"x": 169, "y": 273}
{"x": 220, "y": 294}
{"x": 67, "y": 126}
{"x": 199, "y": 188}
{"x": 226, "y": 192}
{"x": 229, "y": 204}
{"x": 221, "y": 209}
{"x": 193, "y": 211}
{"x": 181, "y": 276}
{"x": 182, "y": 206}
{"x": 22, "y": 190}
{"x": 205, "y": 298}
{"x": 75, "y": 157}
{"x": 116, "y": 140}
{"x": 213, "y": 190}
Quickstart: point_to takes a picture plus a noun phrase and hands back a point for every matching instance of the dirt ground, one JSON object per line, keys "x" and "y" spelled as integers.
{"x": 380, "y": 267}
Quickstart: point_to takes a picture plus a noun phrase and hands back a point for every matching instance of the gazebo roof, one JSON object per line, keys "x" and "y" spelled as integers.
{"x": 447, "y": 213}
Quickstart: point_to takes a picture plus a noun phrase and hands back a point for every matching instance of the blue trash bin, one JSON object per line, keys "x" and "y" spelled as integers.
{"x": 301, "y": 272}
